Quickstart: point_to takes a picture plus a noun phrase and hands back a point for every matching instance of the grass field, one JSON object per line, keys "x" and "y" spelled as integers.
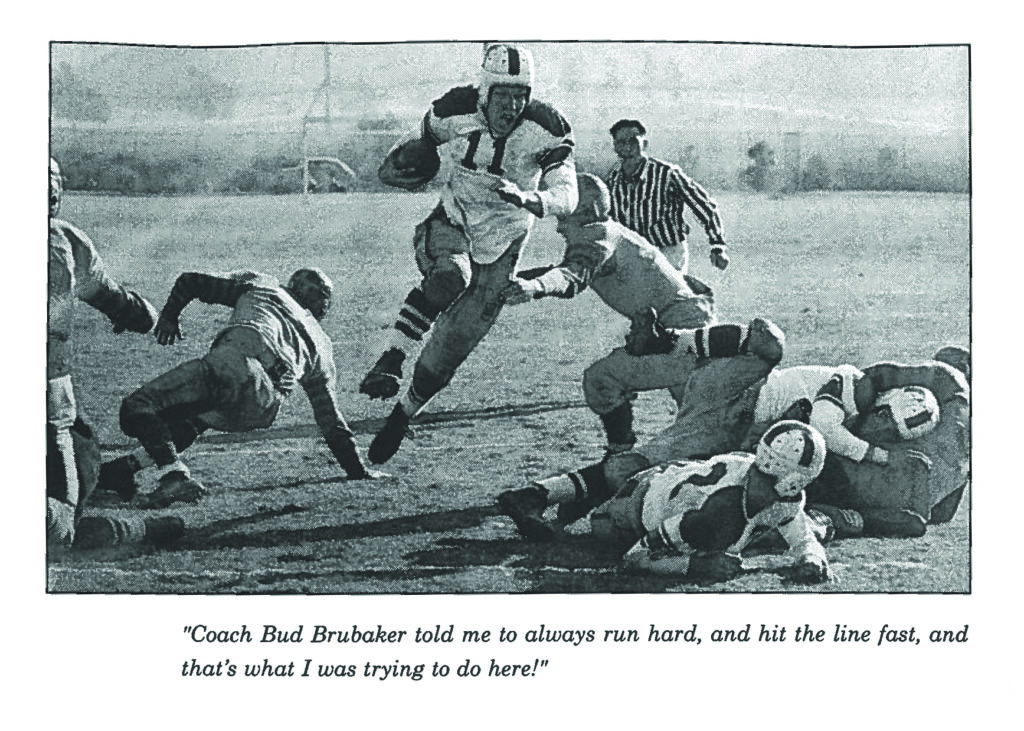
{"x": 850, "y": 277}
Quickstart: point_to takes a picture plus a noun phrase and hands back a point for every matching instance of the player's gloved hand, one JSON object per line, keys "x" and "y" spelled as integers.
{"x": 714, "y": 567}
{"x": 520, "y": 291}
{"x": 909, "y": 459}
{"x": 167, "y": 330}
{"x": 719, "y": 257}
{"x": 813, "y": 570}
{"x": 647, "y": 336}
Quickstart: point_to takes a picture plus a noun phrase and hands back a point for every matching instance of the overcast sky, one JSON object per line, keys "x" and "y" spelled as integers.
{"x": 923, "y": 89}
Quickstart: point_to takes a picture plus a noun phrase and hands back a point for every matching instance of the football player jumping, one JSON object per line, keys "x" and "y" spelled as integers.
{"x": 694, "y": 518}
{"x": 510, "y": 161}
{"x": 273, "y": 342}
{"x": 637, "y": 281}
{"x": 76, "y": 272}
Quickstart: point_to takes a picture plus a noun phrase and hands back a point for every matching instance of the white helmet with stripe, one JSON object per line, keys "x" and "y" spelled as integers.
{"x": 793, "y": 453}
{"x": 915, "y": 410}
{"x": 505, "y": 64}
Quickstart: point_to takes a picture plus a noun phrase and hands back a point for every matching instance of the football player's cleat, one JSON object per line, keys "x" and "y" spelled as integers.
{"x": 957, "y": 357}
{"x": 390, "y": 437}
{"x": 107, "y": 531}
{"x": 793, "y": 453}
{"x": 174, "y": 487}
{"x": 384, "y": 379}
{"x": 525, "y": 507}
{"x": 118, "y": 476}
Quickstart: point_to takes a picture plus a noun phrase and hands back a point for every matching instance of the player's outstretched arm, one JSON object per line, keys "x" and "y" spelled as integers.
{"x": 209, "y": 288}
{"x": 168, "y": 330}
{"x": 126, "y": 309}
{"x": 810, "y": 563}
{"x": 643, "y": 559}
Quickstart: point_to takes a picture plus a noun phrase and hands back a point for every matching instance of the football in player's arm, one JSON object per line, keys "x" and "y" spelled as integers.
{"x": 506, "y": 159}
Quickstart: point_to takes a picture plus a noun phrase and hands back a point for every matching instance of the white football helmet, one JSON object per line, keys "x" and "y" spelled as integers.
{"x": 505, "y": 64}
{"x": 914, "y": 409}
{"x": 793, "y": 453}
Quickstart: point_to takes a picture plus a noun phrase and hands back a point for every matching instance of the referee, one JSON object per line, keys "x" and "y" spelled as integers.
{"x": 651, "y": 195}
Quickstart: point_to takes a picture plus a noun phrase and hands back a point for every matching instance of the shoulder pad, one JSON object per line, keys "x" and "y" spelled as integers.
{"x": 549, "y": 118}
{"x": 255, "y": 279}
{"x": 455, "y": 102}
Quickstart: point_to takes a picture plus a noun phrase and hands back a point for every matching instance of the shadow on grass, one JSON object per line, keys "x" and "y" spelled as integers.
{"x": 223, "y": 534}
{"x": 371, "y": 426}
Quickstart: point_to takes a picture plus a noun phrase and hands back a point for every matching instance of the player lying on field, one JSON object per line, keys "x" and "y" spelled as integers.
{"x": 510, "y": 161}
{"x": 915, "y": 470}
{"x": 893, "y": 404}
{"x": 76, "y": 272}
{"x": 273, "y": 342}
{"x": 694, "y": 518}
{"x": 634, "y": 279}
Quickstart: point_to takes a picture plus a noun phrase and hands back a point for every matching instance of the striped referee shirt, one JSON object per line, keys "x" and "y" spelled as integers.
{"x": 652, "y": 203}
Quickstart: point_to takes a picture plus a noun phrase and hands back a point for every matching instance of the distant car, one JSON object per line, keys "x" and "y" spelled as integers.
{"x": 328, "y": 175}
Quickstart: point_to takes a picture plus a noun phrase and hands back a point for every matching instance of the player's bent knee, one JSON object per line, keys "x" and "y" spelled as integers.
{"x": 620, "y": 467}
{"x": 604, "y": 528}
{"x": 445, "y": 283}
{"x": 601, "y": 389}
{"x": 136, "y": 411}
{"x": 766, "y": 340}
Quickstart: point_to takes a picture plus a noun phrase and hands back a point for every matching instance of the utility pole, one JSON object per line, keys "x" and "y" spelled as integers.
{"x": 311, "y": 117}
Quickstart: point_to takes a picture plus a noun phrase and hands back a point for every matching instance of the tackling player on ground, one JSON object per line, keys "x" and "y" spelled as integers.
{"x": 891, "y": 404}
{"x": 904, "y": 461}
{"x": 510, "y": 161}
{"x": 695, "y": 518}
{"x": 272, "y": 343}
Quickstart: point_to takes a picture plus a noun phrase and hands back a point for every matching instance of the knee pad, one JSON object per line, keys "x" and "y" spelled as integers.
{"x": 765, "y": 340}
{"x": 132, "y": 408}
{"x": 620, "y": 467}
{"x": 447, "y": 280}
{"x": 599, "y": 390}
